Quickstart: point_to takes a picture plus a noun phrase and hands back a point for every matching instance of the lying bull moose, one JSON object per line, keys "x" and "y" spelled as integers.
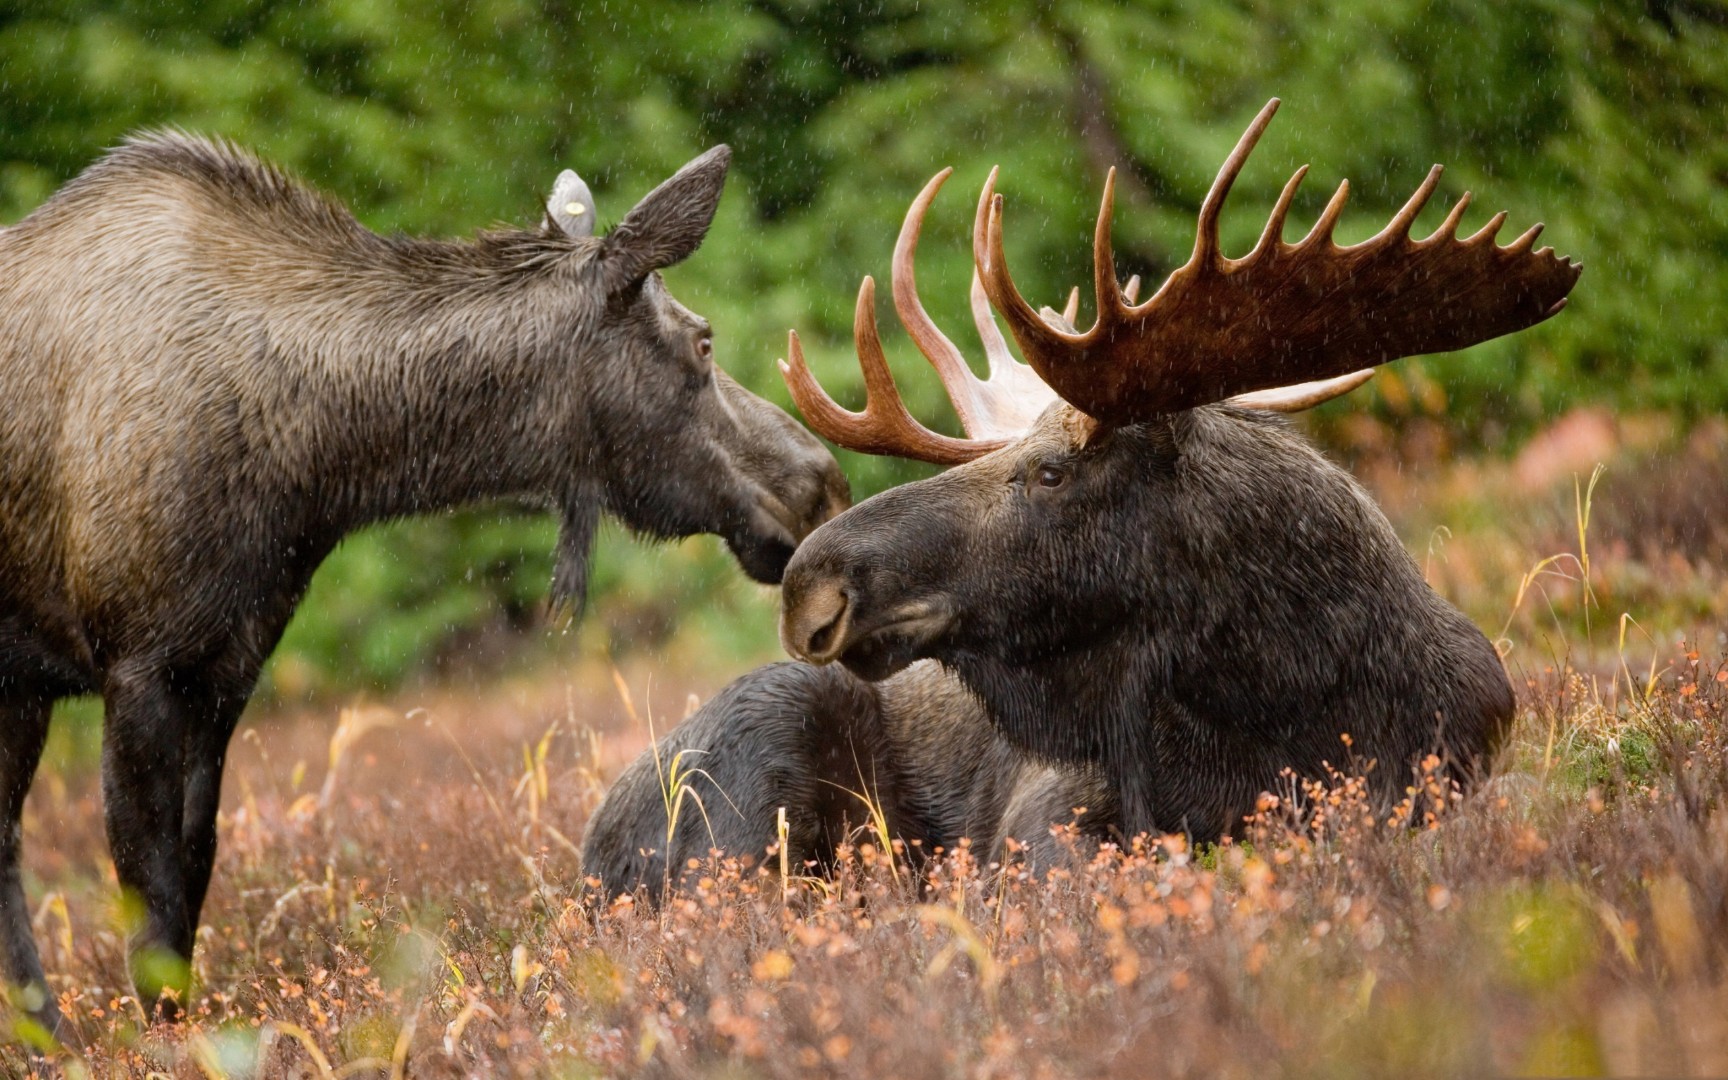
{"x": 210, "y": 374}
{"x": 1140, "y": 592}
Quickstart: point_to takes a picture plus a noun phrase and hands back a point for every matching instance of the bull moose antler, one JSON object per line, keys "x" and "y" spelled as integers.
{"x": 1283, "y": 313}
{"x": 993, "y": 411}
{"x": 1310, "y": 313}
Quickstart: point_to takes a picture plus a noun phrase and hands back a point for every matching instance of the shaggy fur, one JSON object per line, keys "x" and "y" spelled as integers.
{"x": 211, "y": 374}
{"x": 815, "y": 740}
{"x": 1153, "y": 623}
{"x": 1191, "y": 605}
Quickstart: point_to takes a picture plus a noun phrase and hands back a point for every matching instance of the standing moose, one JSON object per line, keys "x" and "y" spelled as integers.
{"x": 1143, "y": 592}
{"x": 210, "y": 374}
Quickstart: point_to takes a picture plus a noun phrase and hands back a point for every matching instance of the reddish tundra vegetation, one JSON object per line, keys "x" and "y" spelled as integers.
{"x": 398, "y": 892}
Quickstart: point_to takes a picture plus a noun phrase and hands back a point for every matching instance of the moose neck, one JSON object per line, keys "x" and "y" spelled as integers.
{"x": 441, "y": 382}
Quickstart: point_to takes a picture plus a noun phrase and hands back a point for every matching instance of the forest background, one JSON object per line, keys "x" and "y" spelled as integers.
{"x": 1605, "y": 120}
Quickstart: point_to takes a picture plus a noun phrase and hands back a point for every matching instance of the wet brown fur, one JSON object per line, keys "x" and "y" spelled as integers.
{"x": 1192, "y": 607}
{"x": 209, "y": 374}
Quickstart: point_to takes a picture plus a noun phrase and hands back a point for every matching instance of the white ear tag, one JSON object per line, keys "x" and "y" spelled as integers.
{"x": 571, "y": 206}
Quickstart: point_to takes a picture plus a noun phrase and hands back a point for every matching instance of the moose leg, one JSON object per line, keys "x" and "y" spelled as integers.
{"x": 785, "y": 736}
{"x": 206, "y": 754}
{"x": 1045, "y": 796}
{"x": 23, "y": 730}
{"x": 143, "y": 785}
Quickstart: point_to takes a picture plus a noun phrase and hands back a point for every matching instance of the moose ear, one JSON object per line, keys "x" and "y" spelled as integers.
{"x": 570, "y": 207}
{"x": 669, "y": 223}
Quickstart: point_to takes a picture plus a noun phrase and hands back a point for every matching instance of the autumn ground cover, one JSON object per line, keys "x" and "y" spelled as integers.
{"x": 398, "y": 891}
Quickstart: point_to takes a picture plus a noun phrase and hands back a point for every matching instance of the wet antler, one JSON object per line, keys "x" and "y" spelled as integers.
{"x": 1284, "y": 313}
{"x": 993, "y": 412}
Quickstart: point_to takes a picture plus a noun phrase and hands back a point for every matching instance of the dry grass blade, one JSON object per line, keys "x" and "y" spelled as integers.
{"x": 351, "y": 725}
{"x": 966, "y": 942}
{"x": 457, "y": 1027}
{"x": 876, "y": 820}
{"x": 305, "y": 1039}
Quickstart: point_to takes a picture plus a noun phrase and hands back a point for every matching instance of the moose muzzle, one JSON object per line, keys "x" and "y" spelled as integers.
{"x": 863, "y": 591}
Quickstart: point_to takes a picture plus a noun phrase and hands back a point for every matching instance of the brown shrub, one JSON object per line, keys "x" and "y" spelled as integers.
{"x": 1572, "y": 917}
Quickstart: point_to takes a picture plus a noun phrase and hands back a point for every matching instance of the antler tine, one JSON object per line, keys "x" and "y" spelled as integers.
{"x": 1104, "y": 281}
{"x": 1130, "y": 291}
{"x": 1449, "y": 227}
{"x": 1273, "y": 234}
{"x": 981, "y": 225}
{"x": 884, "y": 427}
{"x": 1487, "y": 233}
{"x": 995, "y": 345}
{"x": 881, "y": 396}
{"x": 820, "y": 411}
{"x": 992, "y": 266}
{"x": 1206, "y": 234}
{"x": 1321, "y": 233}
{"x": 1303, "y": 396}
{"x": 1526, "y": 242}
{"x": 1016, "y": 394}
{"x": 1406, "y": 217}
{"x": 964, "y": 389}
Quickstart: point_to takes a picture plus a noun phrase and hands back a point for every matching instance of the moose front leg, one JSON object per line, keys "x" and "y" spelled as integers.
{"x": 23, "y": 730}
{"x": 143, "y": 786}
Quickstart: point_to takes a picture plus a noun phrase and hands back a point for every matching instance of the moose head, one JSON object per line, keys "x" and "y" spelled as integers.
{"x": 652, "y": 429}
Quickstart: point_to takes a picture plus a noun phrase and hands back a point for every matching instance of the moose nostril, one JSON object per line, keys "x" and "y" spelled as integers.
{"x": 815, "y": 620}
{"x": 823, "y": 636}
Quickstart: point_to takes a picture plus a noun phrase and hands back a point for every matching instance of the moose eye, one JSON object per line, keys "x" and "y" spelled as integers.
{"x": 705, "y": 347}
{"x": 1049, "y": 476}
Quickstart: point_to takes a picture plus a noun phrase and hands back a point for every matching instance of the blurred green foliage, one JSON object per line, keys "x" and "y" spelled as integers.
{"x": 1603, "y": 119}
